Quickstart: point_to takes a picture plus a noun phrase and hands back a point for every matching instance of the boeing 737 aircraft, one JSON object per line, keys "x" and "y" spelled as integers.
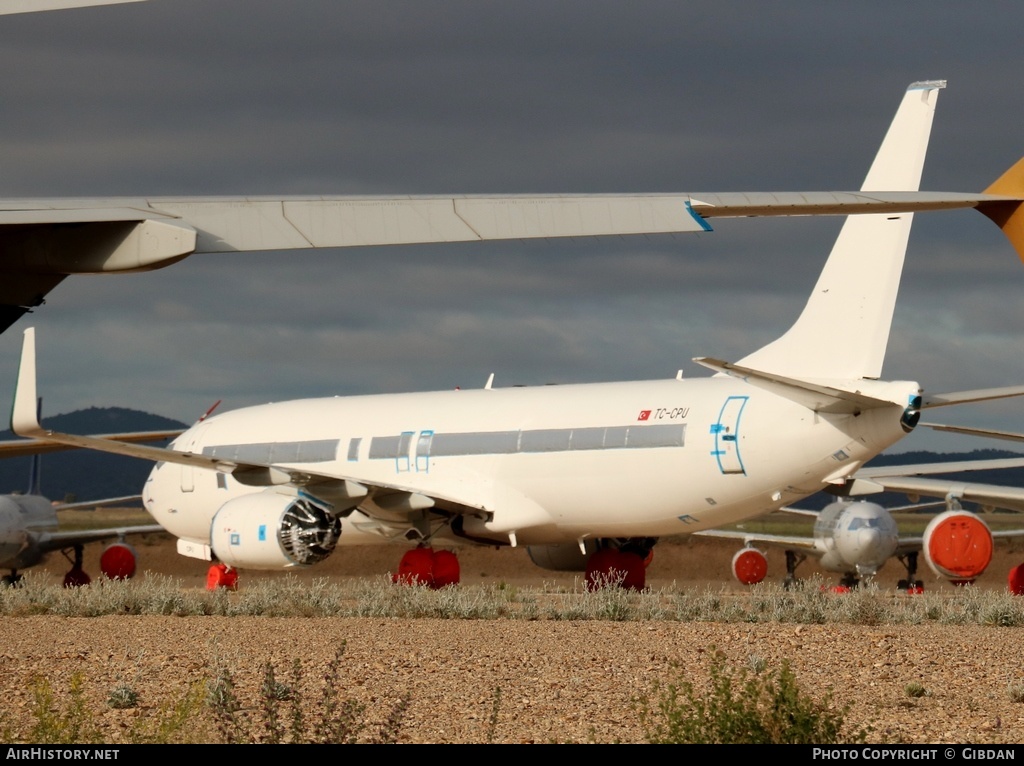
{"x": 857, "y": 538}
{"x": 569, "y": 470}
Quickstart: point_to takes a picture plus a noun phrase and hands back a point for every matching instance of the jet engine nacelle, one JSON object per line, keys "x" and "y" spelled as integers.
{"x": 268, "y": 530}
{"x": 749, "y": 566}
{"x": 117, "y": 562}
{"x": 958, "y": 546}
{"x": 562, "y": 557}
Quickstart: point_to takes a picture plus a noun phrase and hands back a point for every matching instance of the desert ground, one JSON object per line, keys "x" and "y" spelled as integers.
{"x": 523, "y": 681}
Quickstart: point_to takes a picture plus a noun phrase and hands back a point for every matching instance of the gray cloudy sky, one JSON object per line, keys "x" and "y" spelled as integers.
{"x": 191, "y": 97}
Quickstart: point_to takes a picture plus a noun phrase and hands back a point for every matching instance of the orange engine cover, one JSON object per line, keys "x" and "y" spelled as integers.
{"x": 958, "y": 546}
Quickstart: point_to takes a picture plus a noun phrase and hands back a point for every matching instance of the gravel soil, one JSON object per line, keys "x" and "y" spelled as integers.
{"x": 519, "y": 681}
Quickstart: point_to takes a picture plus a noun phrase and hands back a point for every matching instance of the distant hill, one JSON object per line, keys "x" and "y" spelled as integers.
{"x": 81, "y": 474}
{"x": 84, "y": 475}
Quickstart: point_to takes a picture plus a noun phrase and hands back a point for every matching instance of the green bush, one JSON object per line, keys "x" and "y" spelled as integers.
{"x": 744, "y": 706}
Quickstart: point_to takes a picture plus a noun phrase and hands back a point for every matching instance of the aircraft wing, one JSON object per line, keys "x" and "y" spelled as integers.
{"x": 30, "y": 6}
{"x": 802, "y": 542}
{"x": 55, "y": 541}
{"x": 88, "y": 505}
{"x": 25, "y": 422}
{"x": 46, "y": 240}
{"x": 23, "y": 447}
{"x": 914, "y": 481}
{"x": 989, "y": 433}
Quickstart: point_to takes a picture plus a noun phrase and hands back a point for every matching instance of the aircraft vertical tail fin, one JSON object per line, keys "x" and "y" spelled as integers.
{"x": 1009, "y": 216}
{"x": 35, "y": 483}
{"x": 843, "y": 330}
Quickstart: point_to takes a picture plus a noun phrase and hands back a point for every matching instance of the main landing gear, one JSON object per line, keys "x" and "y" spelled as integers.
{"x": 221, "y": 577}
{"x": 428, "y": 567}
{"x": 911, "y": 584}
{"x": 623, "y": 566}
{"x": 76, "y": 576}
{"x": 793, "y": 560}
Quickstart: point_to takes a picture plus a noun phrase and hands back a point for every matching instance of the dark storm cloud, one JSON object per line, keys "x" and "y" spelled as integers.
{"x": 180, "y": 97}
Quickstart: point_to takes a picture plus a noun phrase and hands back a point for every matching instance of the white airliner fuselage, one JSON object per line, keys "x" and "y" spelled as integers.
{"x": 553, "y": 464}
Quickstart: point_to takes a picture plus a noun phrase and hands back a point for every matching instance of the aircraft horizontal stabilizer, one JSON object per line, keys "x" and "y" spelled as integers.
{"x": 814, "y": 396}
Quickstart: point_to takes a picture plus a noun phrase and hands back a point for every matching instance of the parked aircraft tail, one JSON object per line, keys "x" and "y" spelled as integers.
{"x": 1009, "y": 215}
{"x": 844, "y": 328}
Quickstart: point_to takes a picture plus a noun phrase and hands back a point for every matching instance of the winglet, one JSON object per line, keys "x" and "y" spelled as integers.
{"x": 24, "y": 414}
{"x": 1009, "y": 215}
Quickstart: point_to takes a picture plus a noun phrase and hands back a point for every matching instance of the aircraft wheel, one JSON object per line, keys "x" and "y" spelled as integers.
{"x": 11, "y": 579}
{"x": 446, "y": 570}
{"x": 610, "y": 567}
{"x": 117, "y": 562}
{"x": 1015, "y": 580}
{"x": 415, "y": 568}
{"x": 76, "y": 578}
{"x": 221, "y": 577}
{"x": 425, "y": 566}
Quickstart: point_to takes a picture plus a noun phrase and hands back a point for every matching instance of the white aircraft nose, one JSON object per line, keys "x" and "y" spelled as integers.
{"x": 866, "y": 549}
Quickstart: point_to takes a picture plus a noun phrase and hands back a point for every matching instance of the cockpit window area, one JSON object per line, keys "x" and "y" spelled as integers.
{"x": 862, "y": 523}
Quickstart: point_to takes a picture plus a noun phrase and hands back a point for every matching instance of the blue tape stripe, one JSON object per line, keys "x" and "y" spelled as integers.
{"x": 703, "y": 224}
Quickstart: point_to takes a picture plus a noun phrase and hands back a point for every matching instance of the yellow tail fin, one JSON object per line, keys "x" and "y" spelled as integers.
{"x": 1009, "y": 215}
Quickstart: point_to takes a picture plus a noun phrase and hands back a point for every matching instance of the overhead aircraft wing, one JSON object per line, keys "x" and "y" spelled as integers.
{"x": 46, "y": 240}
{"x": 30, "y": 6}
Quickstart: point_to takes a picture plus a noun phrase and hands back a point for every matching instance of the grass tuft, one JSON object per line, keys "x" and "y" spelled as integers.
{"x": 745, "y": 706}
